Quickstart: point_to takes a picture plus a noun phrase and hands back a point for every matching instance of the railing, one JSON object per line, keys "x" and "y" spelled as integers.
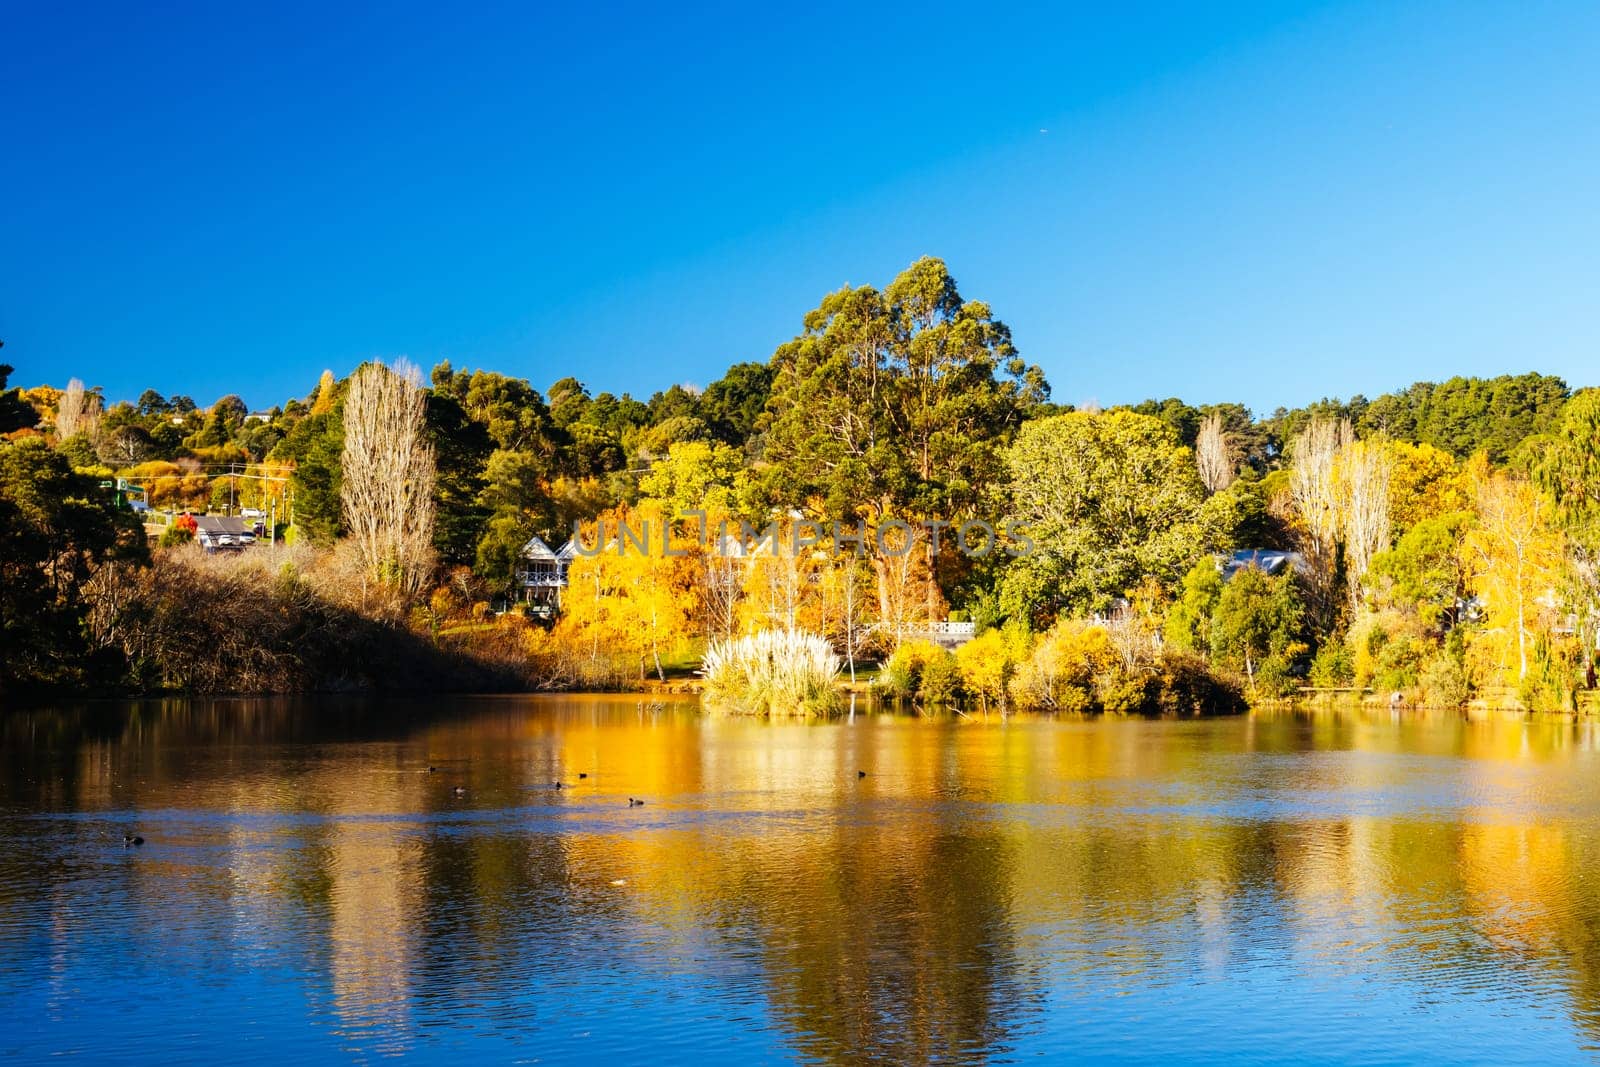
{"x": 943, "y": 629}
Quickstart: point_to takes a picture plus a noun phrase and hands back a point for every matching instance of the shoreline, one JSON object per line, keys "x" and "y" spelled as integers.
{"x": 1479, "y": 710}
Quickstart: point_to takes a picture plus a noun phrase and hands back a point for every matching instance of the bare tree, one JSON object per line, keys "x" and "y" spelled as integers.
{"x": 1316, "y": 488}
{"x": 846, "y": 598}
{"x": 1340, "y": 488}
{"x": 77, "y": 411}
{"x": 1314, "y": 484}
{"x": 1214, "y": 454}
{"x": 388, "y": 475}
{"x": 1365, "y": 468}
{"x": 720, "y": 591}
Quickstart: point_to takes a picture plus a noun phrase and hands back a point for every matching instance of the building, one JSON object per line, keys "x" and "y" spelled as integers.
{"x": 1271, "y": 560}
{"x": 542, "y": 572}
{"x": 223, "y": 533}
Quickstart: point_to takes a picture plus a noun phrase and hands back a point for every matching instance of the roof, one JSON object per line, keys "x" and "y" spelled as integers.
{"x": 537, "y": 549}
{"x": 221, "y": 524}
{"x": 1271, "y": 560}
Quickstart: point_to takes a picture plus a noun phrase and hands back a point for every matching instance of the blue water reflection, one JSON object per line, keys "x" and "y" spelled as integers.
{"x": 1294, "y": 887}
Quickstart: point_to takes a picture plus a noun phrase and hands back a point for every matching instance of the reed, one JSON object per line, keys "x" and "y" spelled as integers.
{"x": 772, "y": 673}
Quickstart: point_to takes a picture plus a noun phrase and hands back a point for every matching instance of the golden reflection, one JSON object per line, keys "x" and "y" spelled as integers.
{"x": 928, "y": 908}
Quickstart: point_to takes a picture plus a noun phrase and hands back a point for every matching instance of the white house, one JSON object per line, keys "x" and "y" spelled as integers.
{"x": 542, "y": 572}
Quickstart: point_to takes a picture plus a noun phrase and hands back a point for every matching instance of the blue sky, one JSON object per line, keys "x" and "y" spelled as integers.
{"x": 1261, "y": 202}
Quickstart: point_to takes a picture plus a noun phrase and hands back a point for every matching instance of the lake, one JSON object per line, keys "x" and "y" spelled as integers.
{"x": 1287, "y": 887}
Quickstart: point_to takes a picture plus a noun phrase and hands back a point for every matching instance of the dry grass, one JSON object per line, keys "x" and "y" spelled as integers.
{"x": 773, "y": 673}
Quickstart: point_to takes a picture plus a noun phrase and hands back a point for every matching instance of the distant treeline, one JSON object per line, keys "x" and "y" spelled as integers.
{"x": 907, "y": 402}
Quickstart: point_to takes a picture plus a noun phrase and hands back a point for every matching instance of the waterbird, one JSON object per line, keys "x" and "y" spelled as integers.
{"x": 560, "y": 786}
{"x": 131, "y": 839}
{"x": 583, "y": 774}
{"x": 432, "y": 769}
{"x": 861, "y": 774}
{"x": 461, "y": 790}
{"x": 633, "y": 803}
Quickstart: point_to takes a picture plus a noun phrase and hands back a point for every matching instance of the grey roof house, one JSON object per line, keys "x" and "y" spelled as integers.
{"x": 1271, "y": 560}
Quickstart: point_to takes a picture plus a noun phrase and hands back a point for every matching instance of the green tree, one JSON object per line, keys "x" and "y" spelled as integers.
{"x": 733, "y": 406}
{"x": 153, "y": 403}
{"x": 1424, "y": 573}
{"x": 500, "y": 547}
{"x": 1107, "y": 500}
{"x": 316, "y": 448}
{"x": 461, "y": 447}
{"x": 895, "y": 401}
{"x": 1569, "y": 471}
{"x": 673, "y": 403}
{"x": 510, "y": 410}
{"x": 57, "y": 529}
{"x": 1258, "y": 627}
{"x": 15, "y": 412}
{"x": 1188, "y": 624}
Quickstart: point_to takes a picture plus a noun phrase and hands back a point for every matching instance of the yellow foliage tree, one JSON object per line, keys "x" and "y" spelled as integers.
{"x": 634, "y": 599}
{"x": 780, "y": 588}
{"x": 990, "y": 661}
{"x": 1425, "y": 483}
{"x": 1514, "y": 555}
{"x": 845, "y": 589}
{"x": 1065, "y": 666}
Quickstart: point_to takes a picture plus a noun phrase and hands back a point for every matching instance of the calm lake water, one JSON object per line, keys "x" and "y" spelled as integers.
{"x": 1292, "y": 887}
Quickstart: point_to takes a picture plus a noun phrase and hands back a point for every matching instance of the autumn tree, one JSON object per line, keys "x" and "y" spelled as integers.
{"x": 1569, "y": 471}
{"x": 77, "y": 412}
{"x": 1424, "y": 483}
{"x": 1514, "y": 553}
{"x": 845, "y": 587}
{"x": 630, "y": 594}
{"x": 388, "y": 474}
{"x": 1340, "y": 489}
{"x": 695, "y": 476}
{"x": 1214, "y": 454}
{"x": 1314, "y": 488}
{"x": 1364, "y": 470}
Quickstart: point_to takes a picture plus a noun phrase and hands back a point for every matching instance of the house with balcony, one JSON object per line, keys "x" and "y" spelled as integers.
{"x": 542, "y": 573}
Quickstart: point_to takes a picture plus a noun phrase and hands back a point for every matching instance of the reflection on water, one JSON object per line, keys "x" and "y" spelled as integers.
{"x": 1293, "y": 887}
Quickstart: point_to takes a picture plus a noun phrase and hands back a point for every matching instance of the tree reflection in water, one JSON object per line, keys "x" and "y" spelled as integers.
{"x": 984, "y": 892}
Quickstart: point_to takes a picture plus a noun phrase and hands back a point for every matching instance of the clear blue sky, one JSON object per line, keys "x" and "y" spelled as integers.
{"x": 1267, "y": 203}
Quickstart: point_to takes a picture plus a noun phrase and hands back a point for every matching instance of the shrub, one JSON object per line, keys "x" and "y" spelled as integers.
{"x": 1333, "y": 667}
{"x": 1186, "y": 685}
{"x": 776, "y": 672}
{"x": 1127, "y": 692}
{"x": 1076, "y": 668}
{"x": 264, "y": 621}
{"x": 1444, "y": 683}
{"x": 178, "y": 534}
{"x": 921, "y": 671}
{"x": 988, "y": 663}
{"x": 1400, "y": 662}
{"x": 1064, "y": 671}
